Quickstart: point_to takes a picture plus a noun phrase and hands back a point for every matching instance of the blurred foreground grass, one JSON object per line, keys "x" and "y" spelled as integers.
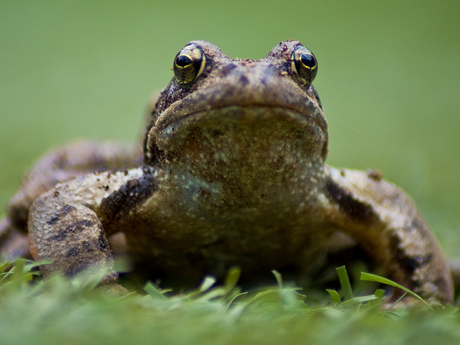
{"x": 55, "y": 312}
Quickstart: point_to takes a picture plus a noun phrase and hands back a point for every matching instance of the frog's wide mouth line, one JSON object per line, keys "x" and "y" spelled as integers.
{"x": 168, "y": 122}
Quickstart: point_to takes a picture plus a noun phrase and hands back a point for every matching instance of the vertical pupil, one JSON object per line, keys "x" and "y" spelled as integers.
{"x": 308, "y": 60}
{"x": 183, "y": 60}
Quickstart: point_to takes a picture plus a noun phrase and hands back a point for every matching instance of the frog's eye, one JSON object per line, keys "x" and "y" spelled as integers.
{"x": 188, "y": 64}
{"x": 304, "y": 63}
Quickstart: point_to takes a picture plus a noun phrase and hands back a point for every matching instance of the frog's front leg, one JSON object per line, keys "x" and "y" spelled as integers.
{"x": 387, "y": 224}
{"x": 58, "y": 166}
{"x": 65, "y": 163}
{"x": 67, "y": 227}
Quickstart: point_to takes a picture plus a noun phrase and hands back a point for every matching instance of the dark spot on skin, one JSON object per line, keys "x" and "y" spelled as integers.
{"x": 419, "y": 261}
{"x": 133, "y": 193}
{"x": 354, "y": 208}
{"x": 418, "y": 226}
{"x": 102, "y": 243}
{"x": 66, "y": 209}
{"x": 411, "y": 263}
{"x": 244, "y": 80}
{"x": 76, "y": 227}
{"x": 421, "y": 227}
{"x": 72, "y": 252}
{"x": 79, "y": 226}
{"x": 53, "y": 220}
{"x": 227, "y": 69}
{"x": 58, "y": 215}
{"x": 204, "y": 193}
{"x": 375, "y": 175}
{"x": 61, "y": 236}
{"x": 268, "y": 74}
{"x": 408, "y": 263}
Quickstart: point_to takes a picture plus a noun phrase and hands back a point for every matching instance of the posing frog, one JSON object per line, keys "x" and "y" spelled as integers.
{"x": 232, "y": 173}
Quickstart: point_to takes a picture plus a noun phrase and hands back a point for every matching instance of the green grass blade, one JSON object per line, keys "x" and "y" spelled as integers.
{"x": 375, "y": 278}
{"x": 154, "y": 292}
{"x": 335, "y": 296}
{"x": 344, "y": 282}
{"x": 358, "y": 300}
{"x": 232, "y": 278}
{"x": 207, "y": 283}
{"x": 279, "y": 278}
{"x": 5, "y": 266}
{"x": 379, "y": 293}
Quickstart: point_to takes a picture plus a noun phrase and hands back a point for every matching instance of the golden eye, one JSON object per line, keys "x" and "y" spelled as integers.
{"x": 188, "y": 64}
{"x": 304, "y": 63}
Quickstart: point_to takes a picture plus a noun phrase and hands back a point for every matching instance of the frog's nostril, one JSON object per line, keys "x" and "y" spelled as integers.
{"x": 243, "y": 80}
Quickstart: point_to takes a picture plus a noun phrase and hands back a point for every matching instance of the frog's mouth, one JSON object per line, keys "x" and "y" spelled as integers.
{"x": 306, "y": 112}
{"x": 237, "y": 131}
{"x": 168, "y": 124}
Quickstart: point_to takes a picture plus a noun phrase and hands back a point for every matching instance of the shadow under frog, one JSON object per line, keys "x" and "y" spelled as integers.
{"x": 232, "y": 174}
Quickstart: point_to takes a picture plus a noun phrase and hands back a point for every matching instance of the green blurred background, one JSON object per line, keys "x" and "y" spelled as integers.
{"x": 388, "y": 78}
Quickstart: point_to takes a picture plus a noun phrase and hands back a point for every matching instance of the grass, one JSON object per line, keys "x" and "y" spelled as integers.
{"x": 59, "y": 312}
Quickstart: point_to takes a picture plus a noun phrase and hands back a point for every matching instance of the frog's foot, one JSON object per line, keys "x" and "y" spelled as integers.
{"x": 66, "y": 229}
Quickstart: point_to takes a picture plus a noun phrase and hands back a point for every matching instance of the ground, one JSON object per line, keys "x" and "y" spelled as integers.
{"x": 53, "y": 312}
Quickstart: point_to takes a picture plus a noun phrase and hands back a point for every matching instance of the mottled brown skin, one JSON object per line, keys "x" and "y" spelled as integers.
{"x": 233, "y": 174}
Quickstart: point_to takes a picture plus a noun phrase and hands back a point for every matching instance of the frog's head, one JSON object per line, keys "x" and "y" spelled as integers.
{"x": 218, "y": 111}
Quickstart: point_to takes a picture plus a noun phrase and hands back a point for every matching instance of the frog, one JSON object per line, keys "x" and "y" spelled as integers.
{"x": 231, "y": 172}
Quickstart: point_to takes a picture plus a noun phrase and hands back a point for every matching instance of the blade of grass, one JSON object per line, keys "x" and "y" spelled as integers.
{"x": 397, "y": 301}
{"x": 279, "y": 278}
{"x": 335, "y": 296}
{"x": 207, "y": 283}
{"x": 374, "y": 278}
{"x": 4, "y": 266}
{"x": 344, "y": 282}
{"x": 358, "y": 300}
{"x": 232, "y": 278}
{"x": 154, "y": 292}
